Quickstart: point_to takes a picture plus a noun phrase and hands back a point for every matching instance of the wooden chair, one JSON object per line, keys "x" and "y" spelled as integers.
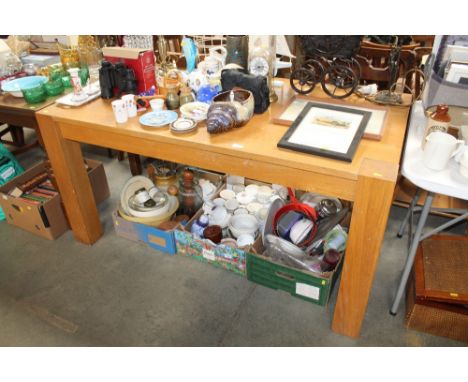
{"x": 375, "y": 64}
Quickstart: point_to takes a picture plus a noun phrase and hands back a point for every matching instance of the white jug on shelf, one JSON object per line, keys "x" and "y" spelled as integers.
{"x": 440, "y": 148}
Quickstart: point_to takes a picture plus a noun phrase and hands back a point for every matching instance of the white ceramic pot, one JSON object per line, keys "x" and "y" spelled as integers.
{"x": 439, "y": 148}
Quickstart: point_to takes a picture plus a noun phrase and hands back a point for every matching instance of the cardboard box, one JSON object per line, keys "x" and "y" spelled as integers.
{"x": 156, "y": 238}
{"x": 221, "y": 256}
{"x": 47, "y": 219}
{"x": 141, "y": 61}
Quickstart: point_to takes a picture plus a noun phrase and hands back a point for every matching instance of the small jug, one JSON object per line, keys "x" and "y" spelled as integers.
{"x": 440, "y": 148}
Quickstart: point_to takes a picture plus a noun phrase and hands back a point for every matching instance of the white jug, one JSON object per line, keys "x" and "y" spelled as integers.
{"x": 440, "y": 147}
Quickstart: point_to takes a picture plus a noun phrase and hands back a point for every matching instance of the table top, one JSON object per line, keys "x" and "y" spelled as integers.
{"x": 9, "y": 102}
{"x": 446, "y": 182}
{"x": 257, "y": 140}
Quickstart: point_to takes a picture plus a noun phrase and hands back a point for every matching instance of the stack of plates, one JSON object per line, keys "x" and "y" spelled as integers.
{"x": 183, "y": 126}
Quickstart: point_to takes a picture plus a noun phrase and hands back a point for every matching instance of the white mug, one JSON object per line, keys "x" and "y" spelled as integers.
{"x": 463, "y": 133}
{"x": 157, "y": 104}
{"x": 462, "y": 159}
{"x": 440, "y": 147}
{"x": 130, "y": 104}
{"x": 120, "y": 111}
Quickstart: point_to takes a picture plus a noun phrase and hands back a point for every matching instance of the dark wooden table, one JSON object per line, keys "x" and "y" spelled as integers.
{"x": 18, "y": 114}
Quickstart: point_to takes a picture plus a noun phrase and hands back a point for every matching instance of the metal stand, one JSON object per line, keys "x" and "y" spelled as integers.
{"x": 412, "y": 253}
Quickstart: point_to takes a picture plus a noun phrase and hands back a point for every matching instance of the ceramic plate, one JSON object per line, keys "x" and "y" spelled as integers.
{"x": 183, "y": 125}
{"x": 158, "y": 118}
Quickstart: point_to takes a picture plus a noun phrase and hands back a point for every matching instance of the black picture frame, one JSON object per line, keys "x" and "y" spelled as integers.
{"x": 348, "y": 156}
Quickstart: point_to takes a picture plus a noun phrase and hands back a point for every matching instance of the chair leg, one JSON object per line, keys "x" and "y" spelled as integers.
{"x": 412, "y": 253}
{"x": 415, "y": 200}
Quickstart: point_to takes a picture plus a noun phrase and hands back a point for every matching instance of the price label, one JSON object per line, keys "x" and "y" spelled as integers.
{"x": 308, "y": 291}
{"x": 209, "y": 254}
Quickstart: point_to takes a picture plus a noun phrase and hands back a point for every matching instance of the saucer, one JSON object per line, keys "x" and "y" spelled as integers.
{"x": 183, "y": 126}
{"x": 158, "y": 118}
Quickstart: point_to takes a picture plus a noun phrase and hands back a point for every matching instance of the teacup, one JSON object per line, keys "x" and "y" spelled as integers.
{"x": 157, "y": 104}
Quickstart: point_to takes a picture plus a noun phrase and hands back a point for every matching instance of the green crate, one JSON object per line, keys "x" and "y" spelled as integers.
{"x": 302, "y": 284}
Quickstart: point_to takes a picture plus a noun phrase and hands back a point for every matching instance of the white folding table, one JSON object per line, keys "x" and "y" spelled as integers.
{"x": 447, "y": 182}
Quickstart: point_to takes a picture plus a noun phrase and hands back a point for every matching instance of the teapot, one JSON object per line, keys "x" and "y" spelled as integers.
{"x": 212, "y": 65}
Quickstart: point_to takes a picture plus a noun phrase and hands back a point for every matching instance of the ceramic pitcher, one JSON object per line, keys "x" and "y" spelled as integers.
{"x": 440, "y": 147}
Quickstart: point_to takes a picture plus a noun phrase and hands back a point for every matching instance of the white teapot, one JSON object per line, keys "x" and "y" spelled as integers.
{"x": 212, "y": 65}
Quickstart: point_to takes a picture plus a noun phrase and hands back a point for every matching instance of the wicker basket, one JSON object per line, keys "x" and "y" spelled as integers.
{"x": 440, "y": 319}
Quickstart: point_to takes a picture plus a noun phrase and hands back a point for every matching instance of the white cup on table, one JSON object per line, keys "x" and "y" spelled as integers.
{"x": 120, "y": 111}
{"x": 157, "y": 104}
{"x": 130, "y": 104}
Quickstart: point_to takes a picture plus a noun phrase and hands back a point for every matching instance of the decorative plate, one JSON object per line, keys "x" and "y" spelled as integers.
{"x": 158, "y": 118}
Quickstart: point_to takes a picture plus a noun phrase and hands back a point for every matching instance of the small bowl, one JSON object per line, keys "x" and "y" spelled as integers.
{"x": 264, "y": 194}
{"x": 237, "y": 188}
{"x": 300, "y": 230}
{"x": 241, "y": 211}
{"x": 241, "y": 224}
{"x": 195, "y": 110}
{"x": 219, "y": 202}
{"x": 254, "y": 207}
{"x": 231, "y": 205}
{"x": 245, "y": 239}
{"x": 244, "y": 198}
{"x": 218, "y": 214}
{"x": 252, "y": 189}
{"x": 34, "y": 94}
{"x": 227, "y": 194}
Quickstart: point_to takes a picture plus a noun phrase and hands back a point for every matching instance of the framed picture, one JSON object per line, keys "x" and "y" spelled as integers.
{"x": 374, "y": 129}
{"x": 327, "y": 130}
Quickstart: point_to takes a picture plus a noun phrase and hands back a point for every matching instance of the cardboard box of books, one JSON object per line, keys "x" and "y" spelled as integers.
{"x": 38, "y": 209}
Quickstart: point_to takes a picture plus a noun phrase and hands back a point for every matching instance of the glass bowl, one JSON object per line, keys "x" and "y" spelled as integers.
{"x": 34, "y": 94}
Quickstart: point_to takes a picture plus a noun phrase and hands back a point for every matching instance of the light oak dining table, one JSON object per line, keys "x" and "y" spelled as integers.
{"x": 250, "y": 151}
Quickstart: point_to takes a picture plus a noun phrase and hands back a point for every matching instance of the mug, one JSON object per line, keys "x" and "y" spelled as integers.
{"x": 463, "y": 133}
{"x": 130, "y": 104}
{"x": 440, "y": 147}
{"x": 157, "y": 104}
{"x": 462, "y": 159}
{"x": 120, "y": 111}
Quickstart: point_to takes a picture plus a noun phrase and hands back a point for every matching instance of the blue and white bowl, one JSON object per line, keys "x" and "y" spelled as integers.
{"x": 14, "y": 87}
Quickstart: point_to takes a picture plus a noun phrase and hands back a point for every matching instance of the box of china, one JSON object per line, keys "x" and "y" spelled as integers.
{"x": 220, "y": 255}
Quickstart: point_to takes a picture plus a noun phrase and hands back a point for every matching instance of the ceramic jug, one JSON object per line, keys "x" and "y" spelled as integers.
{"x": 439, "y": 148}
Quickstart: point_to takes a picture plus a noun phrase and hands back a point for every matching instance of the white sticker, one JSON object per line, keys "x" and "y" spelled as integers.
{"x": 7, "y": 173}
{"x": 209, "y": 254}
{"x": 308, "y": 291}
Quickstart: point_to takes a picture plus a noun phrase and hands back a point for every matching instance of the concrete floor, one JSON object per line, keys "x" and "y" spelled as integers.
{"x": 122, "y": 293}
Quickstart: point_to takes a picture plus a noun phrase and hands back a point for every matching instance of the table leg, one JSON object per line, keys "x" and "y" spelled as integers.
{"x": 135, "y": 164}
{"x": 75, "y": 189}
{"x": 374, "y": 194}
{"x": 412, "y": 253}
